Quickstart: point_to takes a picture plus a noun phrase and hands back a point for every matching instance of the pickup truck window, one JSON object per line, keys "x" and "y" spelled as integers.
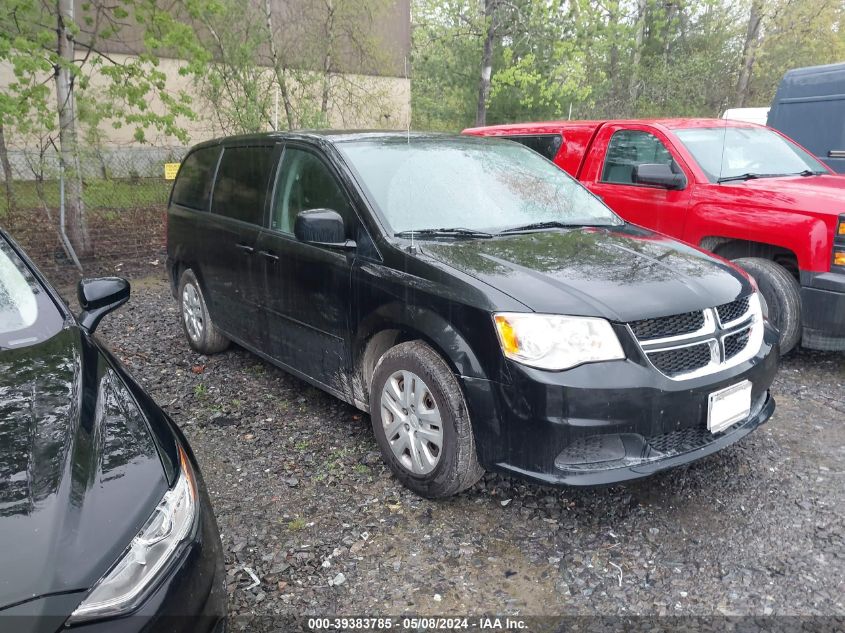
{"x": 488, "y": 185}
{"x": 740, "y": 153}
{"x": 629, "y": 148}
{"x": 544, "y": 144}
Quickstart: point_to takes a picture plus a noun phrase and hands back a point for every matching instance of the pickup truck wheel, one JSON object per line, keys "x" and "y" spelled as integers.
{"x": 782, "y": 294}
{"x": 199, "y": 329}
{"x": 421, "y": 422}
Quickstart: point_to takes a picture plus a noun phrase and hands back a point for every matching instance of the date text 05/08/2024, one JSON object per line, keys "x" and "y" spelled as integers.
{"x": 428, "y": 624}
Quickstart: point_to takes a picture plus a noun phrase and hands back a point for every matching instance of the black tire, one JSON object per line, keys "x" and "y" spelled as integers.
{"x": 207, "y": 339}
{"x": 783, "y": 297}
{"x": 457, "y": 468}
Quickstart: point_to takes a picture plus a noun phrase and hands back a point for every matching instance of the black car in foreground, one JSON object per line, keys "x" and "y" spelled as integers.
{"x": 487, "y": 310}
{"x": 105, "y": 523}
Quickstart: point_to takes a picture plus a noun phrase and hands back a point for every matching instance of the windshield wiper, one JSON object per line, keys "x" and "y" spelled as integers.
{"x": 752, "y": 176}
{"x": 536, "y": 226}
{"x": 746, "y": 176}
{"x": 452, "y": 232}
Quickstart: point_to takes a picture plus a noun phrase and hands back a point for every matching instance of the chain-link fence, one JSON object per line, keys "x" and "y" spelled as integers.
{"x": 124, "y": 196}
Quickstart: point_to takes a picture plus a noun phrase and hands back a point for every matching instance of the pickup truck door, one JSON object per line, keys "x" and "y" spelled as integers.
{"x": 609, "y": 168}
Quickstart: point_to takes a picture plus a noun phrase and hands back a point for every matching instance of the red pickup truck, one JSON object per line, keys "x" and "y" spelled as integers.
{"x": 742, "y": 191}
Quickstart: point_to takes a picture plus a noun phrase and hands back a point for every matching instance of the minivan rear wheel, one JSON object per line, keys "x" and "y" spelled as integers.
{"x": 421, "y": 422}
{"x": 783, "y": 297}
{"x": 203, "y": 336}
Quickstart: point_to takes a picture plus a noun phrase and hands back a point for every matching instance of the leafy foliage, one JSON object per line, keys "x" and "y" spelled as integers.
{"x": 614, "y": 58}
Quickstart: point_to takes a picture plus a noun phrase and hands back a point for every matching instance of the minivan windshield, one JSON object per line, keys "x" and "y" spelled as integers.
{"x": 473, "y": 185}
{"x": 739, "y": 153}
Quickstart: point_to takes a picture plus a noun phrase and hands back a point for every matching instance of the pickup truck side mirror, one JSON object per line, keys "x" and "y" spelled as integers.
{"x": 658, "y": 175}
{"x": 322, "y": 227}
{"x": 98, "y": 297}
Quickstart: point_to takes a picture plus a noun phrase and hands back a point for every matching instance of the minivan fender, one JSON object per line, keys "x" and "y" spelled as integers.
{"x": 397, "y": 322}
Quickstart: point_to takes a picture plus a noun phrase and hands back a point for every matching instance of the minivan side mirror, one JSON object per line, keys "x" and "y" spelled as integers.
{"x": 98, "y": 297}
{"x": 659, "y": 175}
{"x": 322, "y": 227}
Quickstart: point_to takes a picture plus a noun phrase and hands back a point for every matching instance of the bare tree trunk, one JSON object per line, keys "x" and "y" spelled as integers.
{"x": 613, "y": 59}
{"x": 634, "y": 84}
{"x": 281, "y": 80}
{"x": 486, "y": 62}
{"x": 327, "y": 61}
{"x": 749, "y": 52}
{"x": 7, "y": 170}
{"x": 77, "y": 225}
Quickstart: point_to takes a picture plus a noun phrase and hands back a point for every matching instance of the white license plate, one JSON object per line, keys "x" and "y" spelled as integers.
{"x": 728, "y": 406}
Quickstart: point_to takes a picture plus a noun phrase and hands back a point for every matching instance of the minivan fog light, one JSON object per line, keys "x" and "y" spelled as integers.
{"x": 556, "y": 342}
{"x": 125, "y": 586}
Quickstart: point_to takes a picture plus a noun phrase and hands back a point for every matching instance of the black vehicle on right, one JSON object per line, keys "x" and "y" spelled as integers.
{"x": 809, "y": 106}
{"x": 484, "y": 308}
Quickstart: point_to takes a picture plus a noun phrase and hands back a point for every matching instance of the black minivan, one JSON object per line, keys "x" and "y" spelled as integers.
{"x": 480, "y": 304}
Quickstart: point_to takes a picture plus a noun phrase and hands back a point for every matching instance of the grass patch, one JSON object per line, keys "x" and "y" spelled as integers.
{"x": 297, "y": 524}
{"x": 109, "y": 194}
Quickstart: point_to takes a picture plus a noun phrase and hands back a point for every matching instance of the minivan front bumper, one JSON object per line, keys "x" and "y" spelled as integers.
{"x": 608, "y": 422}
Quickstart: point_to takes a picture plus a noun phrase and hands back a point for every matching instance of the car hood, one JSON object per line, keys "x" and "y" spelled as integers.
{"x": 817, "y": 194}
{"x": 620, "y": 273}
{"x": 79, "y": 471}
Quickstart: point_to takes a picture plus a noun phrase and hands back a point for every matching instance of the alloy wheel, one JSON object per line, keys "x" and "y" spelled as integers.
{"x": 412, "y": 422}
{"x": 192, "y": 312}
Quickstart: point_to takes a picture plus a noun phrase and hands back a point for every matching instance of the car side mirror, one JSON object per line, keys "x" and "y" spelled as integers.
{"x": 98, "y": 297}
{"x": 658, "y": 175}
{"x": 322, "y": 227}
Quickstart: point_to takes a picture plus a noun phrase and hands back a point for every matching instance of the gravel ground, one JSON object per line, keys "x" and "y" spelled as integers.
{"x": 305, "y": 504}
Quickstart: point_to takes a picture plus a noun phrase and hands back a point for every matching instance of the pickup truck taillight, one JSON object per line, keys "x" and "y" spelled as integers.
{"x": 839, "y": 243}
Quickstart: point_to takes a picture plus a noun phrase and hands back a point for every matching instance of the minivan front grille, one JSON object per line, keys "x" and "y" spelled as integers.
{"x": 681, "y": 360}
{"x": 732, "y": 311}
{"x": 673, "y": 325}
{"x": 691, "y": 344}
{"x": 735, "y": 343}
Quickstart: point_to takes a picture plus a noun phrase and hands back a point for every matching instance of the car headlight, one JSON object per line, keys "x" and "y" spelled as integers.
{"x": 127, "y": 583}
{"x": 550, "y": 341}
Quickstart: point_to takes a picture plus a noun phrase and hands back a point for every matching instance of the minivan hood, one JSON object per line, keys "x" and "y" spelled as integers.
{"x": 816, "y": 194}
{"x": 621, "y": 273}
{"x": 79, "y": 472}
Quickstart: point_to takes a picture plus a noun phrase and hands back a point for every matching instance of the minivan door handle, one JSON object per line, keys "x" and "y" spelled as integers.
{"x": 269, "y": 255}
{"x": 246, "y": 248}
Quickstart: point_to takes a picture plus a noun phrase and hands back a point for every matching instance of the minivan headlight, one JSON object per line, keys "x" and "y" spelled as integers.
{"x": 550, "y": 341}
{"x": 126, "y": 584}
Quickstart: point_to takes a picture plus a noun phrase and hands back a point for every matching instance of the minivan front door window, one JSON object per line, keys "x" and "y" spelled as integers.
{"x": 304, "y": 183}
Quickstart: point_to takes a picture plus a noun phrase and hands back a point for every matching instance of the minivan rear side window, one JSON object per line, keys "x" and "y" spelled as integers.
{"x": 193, "y": 185}
{"x": 544, "y": 144}
{"x": 241, "y": 185}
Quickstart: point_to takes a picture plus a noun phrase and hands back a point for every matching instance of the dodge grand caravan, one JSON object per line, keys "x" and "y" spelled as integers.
{"x": 480, "y": 304}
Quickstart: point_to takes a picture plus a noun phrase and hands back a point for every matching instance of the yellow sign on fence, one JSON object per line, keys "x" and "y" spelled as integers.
{"x": 170, "y": 170}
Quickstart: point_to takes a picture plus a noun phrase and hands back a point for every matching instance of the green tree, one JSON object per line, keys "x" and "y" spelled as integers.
{"x": 57, "y": 63}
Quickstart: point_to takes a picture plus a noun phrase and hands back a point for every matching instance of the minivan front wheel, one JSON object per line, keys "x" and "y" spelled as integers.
{"x": 199, "y": 329}
{"x": 421, "y": 422}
